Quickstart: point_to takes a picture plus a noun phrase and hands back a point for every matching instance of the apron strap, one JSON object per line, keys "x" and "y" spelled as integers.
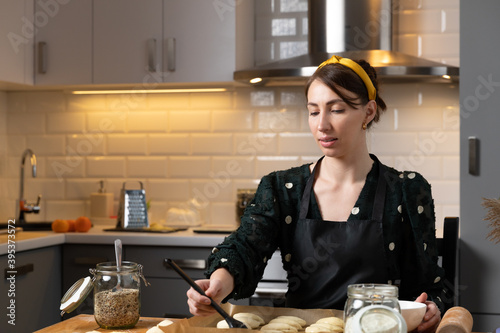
{"x": 304, "y": 203}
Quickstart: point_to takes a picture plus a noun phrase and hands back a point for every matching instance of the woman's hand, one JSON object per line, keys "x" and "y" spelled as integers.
{"x": 432, "y": 316}
{"x": 220, "y": 285}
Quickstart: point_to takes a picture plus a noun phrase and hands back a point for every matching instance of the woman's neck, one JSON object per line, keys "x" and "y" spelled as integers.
{"x": 345, "y": 170}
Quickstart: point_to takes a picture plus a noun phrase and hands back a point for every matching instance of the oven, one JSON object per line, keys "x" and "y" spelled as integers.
{"x": 272, "y": 287}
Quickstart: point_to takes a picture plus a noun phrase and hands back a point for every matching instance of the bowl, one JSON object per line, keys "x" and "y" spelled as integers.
{"x": 413, "y": 313}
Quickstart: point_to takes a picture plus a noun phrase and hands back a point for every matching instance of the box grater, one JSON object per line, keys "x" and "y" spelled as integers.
{"x": 132, "y": 211}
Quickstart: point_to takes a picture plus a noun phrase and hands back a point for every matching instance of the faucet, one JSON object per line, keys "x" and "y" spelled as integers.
{"x": 25, "y": 208}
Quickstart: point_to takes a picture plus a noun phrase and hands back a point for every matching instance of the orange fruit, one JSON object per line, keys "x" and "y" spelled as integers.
{"x": 83, "y": 224}
{"x": 71, "y": 225}
{"x": 60, "y": 225}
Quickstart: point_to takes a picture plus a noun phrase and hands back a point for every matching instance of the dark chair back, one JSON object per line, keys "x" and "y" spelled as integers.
{"x": 448, "y": 251}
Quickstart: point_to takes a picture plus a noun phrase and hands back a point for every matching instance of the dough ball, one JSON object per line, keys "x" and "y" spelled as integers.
{"x": 165, "y": 322}
{"x": 155, "y": 329}
{"x": 279, "y": 327}
{"x": 286, "y": 321}
{"x": 329, "y": 327}
{"x": 224, "y": 324}
{"x": 299, "y": 320}
{"x": 316, "y": 329}
{"x": 247, "y": 320}
{"x": 252, "y": 316}
{"x": 332, "y": 320}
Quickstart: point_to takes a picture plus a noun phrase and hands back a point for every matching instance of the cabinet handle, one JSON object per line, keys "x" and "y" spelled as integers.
{"x": 171, "y": 54}
{"x": 152, "y": 55}
{"x": 19, "y": 271}
{"x": 189, "y": 263}
{"x": 42, "y": 57}
{"x": 473, "y": 156}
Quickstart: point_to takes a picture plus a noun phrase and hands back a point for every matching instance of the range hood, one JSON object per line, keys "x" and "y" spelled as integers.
{"x": 356, "y": 29}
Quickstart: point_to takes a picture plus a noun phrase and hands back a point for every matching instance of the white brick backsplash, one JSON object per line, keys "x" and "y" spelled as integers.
{"x": 71, "y": 166}
{"x": 213, "y": 189}
{"x": 451, "y": 167}
{"x": 168, "y": 190}
{"x": 145, "y": 167}
{"x": 235, "y": 167}
{"x": 168, "y": 101}
{"x": 211, "y": 144}
{"x": 223, "y": 214}
{"x": 48, "y": 188}
{"x": 420, "y": 21}
{"x": 230, "y": 121}
{"x": 435, "y": 46}
{"x": 106, "y": 122}
{"x": 393, "y": 143}
{"x": 147, "y": 121}
{"x": 440, "y": 143}
{"x": 297, "y": 144}
{"x": 439, "y": 95}
{"x": 26, "y": 123}
{"x": 16, "y": 145}
{"x": 127, "y": 144}
{"x": 189, "y": 167}
{"x": 47, "y": 144}
{"x": 447, "y": 191}
{"x": 65, "y": 122}
{"x": 256, "y": 144}
{"x": 46, "y": 101}
{"x": 189, "y": 121}
{"x": 276, "y": 121}
{"x": 414, "y": 119}
{"x": 65, "y": 209}
{"x": 16, "y": 102}
{"x": 86, "y": 103}
{"x": 126, "y": 102}
{"x": 217, "y": 100}
{"x": 169, "y": 144}
{"x": 267, "y": 165}
{"x": 80, "y": 189}
{"x": 106, "y": 166}
{"x": 85, "y": 144}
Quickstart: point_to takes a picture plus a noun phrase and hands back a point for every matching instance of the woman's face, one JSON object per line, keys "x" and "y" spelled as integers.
{"x": 336, "y": 127}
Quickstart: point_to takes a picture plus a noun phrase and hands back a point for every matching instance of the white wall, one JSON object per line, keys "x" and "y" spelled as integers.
{"x": 209, "y": 145}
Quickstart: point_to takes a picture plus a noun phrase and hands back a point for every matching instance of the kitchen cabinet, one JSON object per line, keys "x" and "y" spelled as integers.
{"x": 34, "y": 292}
{"x": 127, "y": 40}
{"x": 204, "y": 34}
{"x": 17, "y": 27}
{"x": 63, "y": 46}
{"x": 77, "y": 259}
{"x": 479, "y": 117}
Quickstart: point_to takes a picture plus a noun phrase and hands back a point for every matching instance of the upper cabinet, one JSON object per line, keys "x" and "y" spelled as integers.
{"x": 136, "y": 42}
{"x": 127, "y": 40}
{"x": 63, "y": 46}
{"x": 199, "y": 40}
{"x": 17, "y": 27}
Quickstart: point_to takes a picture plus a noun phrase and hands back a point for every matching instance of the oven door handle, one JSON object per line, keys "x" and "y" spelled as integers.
{"x": 267, "y": 291}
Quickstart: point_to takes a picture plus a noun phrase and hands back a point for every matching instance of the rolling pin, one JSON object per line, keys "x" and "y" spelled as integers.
{"x": 456, "y": 320}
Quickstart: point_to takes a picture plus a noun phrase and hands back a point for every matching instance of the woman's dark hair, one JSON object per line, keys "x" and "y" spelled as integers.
{"x": 337, "y": 75}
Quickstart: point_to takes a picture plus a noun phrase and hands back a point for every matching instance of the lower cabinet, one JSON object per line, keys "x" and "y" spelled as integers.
{"x": 77, "y": 259}
{"x": 31, "y": 297}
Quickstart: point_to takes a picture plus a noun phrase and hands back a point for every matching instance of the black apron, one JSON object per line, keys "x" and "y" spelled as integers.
{"x": 328, "y": 256}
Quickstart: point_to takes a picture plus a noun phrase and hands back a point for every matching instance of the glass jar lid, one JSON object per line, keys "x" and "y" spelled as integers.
{"x": 76, "y": 294}
{"x": 373, "y": 289}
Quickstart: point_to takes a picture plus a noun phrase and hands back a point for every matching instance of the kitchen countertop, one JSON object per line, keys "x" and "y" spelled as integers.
{"x": 29, "y": 240}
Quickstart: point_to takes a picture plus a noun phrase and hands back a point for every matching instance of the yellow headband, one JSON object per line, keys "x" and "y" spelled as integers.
{"x": 372, "y": 93}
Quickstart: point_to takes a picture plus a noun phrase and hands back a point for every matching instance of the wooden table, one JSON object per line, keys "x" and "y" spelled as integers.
{"x": 86, "y": 323}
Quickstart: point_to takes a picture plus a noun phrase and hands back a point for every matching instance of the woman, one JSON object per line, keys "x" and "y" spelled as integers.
{"x": 345, "y": 219}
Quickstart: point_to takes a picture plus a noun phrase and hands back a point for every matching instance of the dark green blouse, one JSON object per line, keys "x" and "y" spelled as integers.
{"x": 408, "y": 229}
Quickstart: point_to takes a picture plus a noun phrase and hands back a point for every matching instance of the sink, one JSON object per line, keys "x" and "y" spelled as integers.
{"x": 29, "y": 226}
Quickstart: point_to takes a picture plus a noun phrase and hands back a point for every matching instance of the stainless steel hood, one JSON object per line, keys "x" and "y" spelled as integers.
{"x": 356, "y": 29}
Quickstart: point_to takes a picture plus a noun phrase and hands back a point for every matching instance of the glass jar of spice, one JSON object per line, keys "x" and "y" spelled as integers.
{"x": 360, "y": 296}
{"x": 117, "y": 294}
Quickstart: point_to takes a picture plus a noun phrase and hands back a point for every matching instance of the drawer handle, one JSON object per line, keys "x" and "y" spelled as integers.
{"x": 42, "y": 57}
{"x": 19, "y": 271}
{"x": 152, "y": 55}
{"x": 189, "y": 263}
{"x": 171, "y": 54}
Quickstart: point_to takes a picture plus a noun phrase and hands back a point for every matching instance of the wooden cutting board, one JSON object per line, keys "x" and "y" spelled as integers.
{"x": 86, "y": 323}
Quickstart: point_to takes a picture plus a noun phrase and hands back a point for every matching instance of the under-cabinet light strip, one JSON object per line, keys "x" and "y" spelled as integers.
{"x": 143, "y": 91}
